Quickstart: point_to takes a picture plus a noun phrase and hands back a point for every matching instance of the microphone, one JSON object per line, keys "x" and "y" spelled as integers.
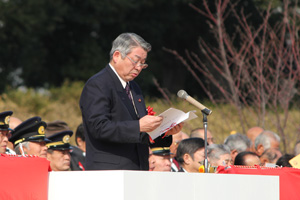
{"x": 182, "y": 94}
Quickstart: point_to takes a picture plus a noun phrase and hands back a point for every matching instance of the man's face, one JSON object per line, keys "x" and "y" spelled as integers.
{"x": 198, "y": 157}
{"x": 125, "y": 67}
{"x": 224, "y": 160}
{"x": 210, "y": 138}
{"x": 161, "y": 163}
{"x": 3, "y": 140}
{"x": 37, "y": 149}
{"x": 59, "y": 160}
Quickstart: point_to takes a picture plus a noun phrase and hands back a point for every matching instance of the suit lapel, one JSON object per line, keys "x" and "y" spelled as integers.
{"x": 122, "y": 93}
{"x": 138, "y": 101}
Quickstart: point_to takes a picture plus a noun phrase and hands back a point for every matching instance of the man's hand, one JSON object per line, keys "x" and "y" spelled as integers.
{"x": 149, "y": 123}
{"x": 175, "y": 129}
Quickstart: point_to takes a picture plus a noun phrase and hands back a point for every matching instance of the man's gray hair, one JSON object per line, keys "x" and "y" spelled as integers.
{"x": 18, "y": 146}
{"x": 126, "y": 42}
{"x": 238, "y": 141}
{"x": 217, "y": 150}
{"x": 265, "y": 139}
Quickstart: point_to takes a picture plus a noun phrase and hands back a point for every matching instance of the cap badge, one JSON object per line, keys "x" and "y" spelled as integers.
{"x": 41, "y": 130}
{"x": 7, "y": 119}
{"x": 66, "y": 139}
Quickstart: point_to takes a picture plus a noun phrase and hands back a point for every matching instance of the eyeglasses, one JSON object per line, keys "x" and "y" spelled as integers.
{"x": 135, "y": 63}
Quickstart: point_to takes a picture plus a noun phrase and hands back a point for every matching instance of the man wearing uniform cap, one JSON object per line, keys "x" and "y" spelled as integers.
{"x": 159, "y": 159}
{"x": 4, "y": 130}
{"x": 59, "y": 150}
{"x": 29, "y": 138}
{"x": 77, "y": 155}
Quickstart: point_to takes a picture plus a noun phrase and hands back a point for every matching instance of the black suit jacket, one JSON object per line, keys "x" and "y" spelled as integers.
{"x": 113, "y": 139}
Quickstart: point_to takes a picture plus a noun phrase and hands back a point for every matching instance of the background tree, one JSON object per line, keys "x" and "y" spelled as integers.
{"x": 254, "y": 68}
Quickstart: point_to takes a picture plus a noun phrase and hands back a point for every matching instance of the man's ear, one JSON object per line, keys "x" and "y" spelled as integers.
{"x": 79, "y": 141}
{"x": 116, "y": 56}
{"x": 187, "y": 159}
{"x": 264, "y": 160}
{"x": 233, "y": 154}
{"x": 260, "y": 149}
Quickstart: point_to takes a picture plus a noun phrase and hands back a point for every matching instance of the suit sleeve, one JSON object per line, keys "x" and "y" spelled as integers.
{"x": 105, "y": 118}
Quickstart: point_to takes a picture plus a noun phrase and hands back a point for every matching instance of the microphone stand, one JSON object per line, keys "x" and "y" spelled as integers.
{"x": 205, "y": 142}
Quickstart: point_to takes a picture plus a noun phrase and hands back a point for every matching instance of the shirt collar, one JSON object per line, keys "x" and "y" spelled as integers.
{"x": 121, "y": 80}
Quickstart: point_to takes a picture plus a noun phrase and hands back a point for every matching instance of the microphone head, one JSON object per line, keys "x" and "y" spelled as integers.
{"x": 182, "y": 94}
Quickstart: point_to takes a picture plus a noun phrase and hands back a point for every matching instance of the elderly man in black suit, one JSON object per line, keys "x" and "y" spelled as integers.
{"x": 114, "y": 112}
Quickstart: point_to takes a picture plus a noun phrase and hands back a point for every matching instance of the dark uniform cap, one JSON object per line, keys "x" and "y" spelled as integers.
{"x": 56, "y": 127}
{"x": 60, "y": 141}
{"x": 161, "y": 151}
{"x": 33, "y": 130}
{"x": 4, "y": 120}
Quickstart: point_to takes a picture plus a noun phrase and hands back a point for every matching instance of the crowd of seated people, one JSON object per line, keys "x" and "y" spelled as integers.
{"x": 35, "y": 137}
{"x": 258, "y": 147}
{"x": 186, "y": 153}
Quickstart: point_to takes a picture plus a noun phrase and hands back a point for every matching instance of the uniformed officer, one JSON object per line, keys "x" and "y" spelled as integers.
{"x": 4, "y": 130}
{"x": 159, "y": 159}
{"x": 59, "y": 150}
{"x": 29, "y": 138}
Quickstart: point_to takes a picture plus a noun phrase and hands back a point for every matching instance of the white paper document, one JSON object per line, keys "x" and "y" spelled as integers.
{"x": 171, "y": 118}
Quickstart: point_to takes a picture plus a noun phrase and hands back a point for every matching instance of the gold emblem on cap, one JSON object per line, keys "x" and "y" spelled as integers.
{"x": 7, "y": 119}
{"x": 41, "y": 130}
{"x": 66, "y": 139}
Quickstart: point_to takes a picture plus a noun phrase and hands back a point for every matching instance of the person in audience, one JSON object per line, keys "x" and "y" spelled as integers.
{"x": 190, "y": 154}
{"x": 247, "y": 158}
{"x": 13, "y": 123}
{"x": 237, "y": 143}
{"x": 270, "y": 157}
{"x": 159, "y": 159}
{"x": 297, "y": 148}
{"x": 4, "y": 130}
{"x": 59, "y": 151}
{"x": 199, "y": 132}
{"x": 151, "y": 160}
{"x": 219, "y": 155}
{"x": 265, "y": 140}
{"x": 283, "y": 161}
{"x": 29, "y": 138}
{"x": 177, "y": 138}
{"x": 252, "y": 133}
{"x": 80, "y": 138}
{"x": 77, "y": 155}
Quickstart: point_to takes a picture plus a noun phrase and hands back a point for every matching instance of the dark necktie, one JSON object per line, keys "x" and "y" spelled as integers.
{"x": 128, "y": 90}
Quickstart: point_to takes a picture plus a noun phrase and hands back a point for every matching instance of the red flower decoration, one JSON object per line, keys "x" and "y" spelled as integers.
{"x": 151, "y": 112}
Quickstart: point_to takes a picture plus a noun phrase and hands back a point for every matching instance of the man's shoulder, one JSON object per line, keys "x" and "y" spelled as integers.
{"x": 100, "y": 76}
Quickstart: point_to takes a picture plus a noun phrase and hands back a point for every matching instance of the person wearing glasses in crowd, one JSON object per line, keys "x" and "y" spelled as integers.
{"x": 4, "y": 130}
{"x": 219, "y": 155}
{"x": 114, "y": 113}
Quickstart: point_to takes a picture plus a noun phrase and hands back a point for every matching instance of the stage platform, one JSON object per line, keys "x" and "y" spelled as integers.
{"x": 141, "y": 185}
